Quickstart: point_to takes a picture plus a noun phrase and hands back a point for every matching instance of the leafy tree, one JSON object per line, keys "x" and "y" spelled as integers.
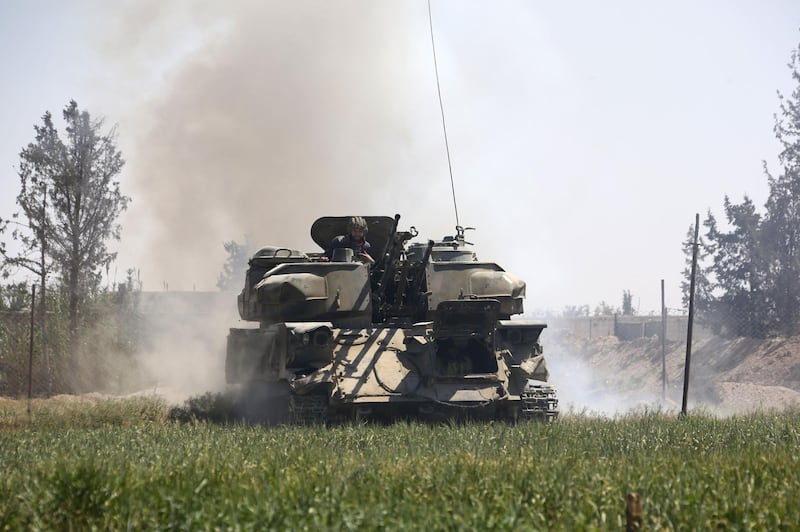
{"x": 739, "y": 270}
{"x": 627, "y": 303}
{"x": 15, "y": 296}
{"x": 31, "y": 236}
{"x": 730, "y": 272}
{"x": 752, "y": 285}
{"x": 574, "y": 311}
{"x": 235, "y": 267}
{"x": 781, "y": 227}
{"x": 71, "y": 200}
{"x": 604, "y": 309}
{"x": 132, "y": 281}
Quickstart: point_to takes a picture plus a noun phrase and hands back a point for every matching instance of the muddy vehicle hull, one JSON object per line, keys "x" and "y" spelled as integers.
{"x": 383, "y": 374}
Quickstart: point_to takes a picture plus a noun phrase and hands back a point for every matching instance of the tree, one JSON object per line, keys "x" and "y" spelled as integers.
{"x": 32, "y": 236}
{"x": 781, "y": 228}
{"x": 739, "y": 270}
{"x": 235, "y": 267}
{"x": 132, "y": 281}
{"x": 574, "y": 311}
{"x": 71, "y": 199}
{"x": 752, "y": 286}
{"x": 627, "y": 303}
{"x": 15, "y": 296}
{"x": 604, "y": 309}
{"x": 32, "y": 255}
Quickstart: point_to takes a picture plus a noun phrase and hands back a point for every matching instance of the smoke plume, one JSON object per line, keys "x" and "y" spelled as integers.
{"x": 277, "y": 114}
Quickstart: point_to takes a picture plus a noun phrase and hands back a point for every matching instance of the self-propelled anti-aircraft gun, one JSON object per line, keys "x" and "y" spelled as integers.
{"x": 424, "y": 332}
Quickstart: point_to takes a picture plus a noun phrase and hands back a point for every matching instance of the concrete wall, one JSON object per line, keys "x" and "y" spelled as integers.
{"x": 626, "y": 327}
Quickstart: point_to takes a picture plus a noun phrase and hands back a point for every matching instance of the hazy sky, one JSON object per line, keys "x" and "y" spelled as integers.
{"x": 584, "y": 135}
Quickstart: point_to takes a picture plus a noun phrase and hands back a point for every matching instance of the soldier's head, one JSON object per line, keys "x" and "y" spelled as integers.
{"x": 357, "y": 228}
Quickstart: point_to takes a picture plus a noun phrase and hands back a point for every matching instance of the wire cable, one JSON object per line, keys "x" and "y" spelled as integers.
{"x": 441, "y": 108}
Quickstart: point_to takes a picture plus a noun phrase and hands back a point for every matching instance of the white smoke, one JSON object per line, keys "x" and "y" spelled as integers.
{"x": 589, "y": 379}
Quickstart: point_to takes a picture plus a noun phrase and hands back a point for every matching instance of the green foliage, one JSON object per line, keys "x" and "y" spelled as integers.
{"x": 15, "y": 296}
{"x": 93, "y": 411}
{"x": 781, "y": 227}
{"x": 212, "y": 407}
{"x": 574, "y": 311}
{"x": 705, "y": 249}
{"x": 84, "y": 199}
{"x": 749, "y": 275}
{"x": 627, "y": 303}
{"x": 604, "y": 309}
{"x": 113, "y": 330}
{"x": 70, "y": 203}
{"x": 694, "y": 473}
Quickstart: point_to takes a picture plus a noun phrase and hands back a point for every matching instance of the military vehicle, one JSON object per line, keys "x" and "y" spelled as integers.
{"x": 424, "y": 332}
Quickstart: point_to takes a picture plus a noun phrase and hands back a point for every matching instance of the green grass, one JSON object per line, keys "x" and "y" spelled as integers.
{"x": 123, "y": 464}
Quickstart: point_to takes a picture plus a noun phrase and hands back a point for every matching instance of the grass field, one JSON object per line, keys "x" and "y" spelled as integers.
{"x": 79, "y": 464}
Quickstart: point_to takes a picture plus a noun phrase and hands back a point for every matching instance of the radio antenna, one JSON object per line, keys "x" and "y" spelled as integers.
{"x": 441, "y": 108}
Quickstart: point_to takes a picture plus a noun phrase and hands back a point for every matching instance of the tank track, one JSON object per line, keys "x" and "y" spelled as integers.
{"x": 539, "y": 403}
{"x": 310, "y": 409}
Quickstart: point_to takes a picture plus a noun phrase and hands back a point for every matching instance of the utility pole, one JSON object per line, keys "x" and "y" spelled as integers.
{"x": 691, "y": 316}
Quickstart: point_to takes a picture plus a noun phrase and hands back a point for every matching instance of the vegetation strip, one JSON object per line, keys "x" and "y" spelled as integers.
{"x": 120, "y": 464}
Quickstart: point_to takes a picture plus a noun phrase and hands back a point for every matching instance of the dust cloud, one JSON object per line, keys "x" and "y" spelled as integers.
{"x": 167, "y": 344}
{"x": 591, "y": 385}
{"x": 581, "y": 390}
{"x": 251, "y": 120}
{"x": 184, "y": 352}
{"x": 267, "y": 116}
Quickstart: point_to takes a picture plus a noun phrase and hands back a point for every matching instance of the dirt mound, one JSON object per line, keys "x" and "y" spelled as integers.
{"x": 727, "y": 375}
{"x": 742, "y": 396}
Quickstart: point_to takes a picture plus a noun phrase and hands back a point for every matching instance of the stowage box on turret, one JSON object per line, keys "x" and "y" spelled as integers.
{"x": 424, "y": 331}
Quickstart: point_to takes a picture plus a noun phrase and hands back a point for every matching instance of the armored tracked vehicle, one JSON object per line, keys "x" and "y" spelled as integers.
{"x": 424, "y": 331}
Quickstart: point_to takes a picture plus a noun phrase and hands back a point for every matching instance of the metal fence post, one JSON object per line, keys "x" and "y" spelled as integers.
{"x": 663, "y": 346}
{"x": 30, "y": 353}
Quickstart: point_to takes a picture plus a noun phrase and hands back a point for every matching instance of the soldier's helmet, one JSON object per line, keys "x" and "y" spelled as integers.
{"x": 357, "y": 222}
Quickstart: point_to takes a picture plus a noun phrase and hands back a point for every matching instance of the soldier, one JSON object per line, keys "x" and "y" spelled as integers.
{"x": 355, "y": 239}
